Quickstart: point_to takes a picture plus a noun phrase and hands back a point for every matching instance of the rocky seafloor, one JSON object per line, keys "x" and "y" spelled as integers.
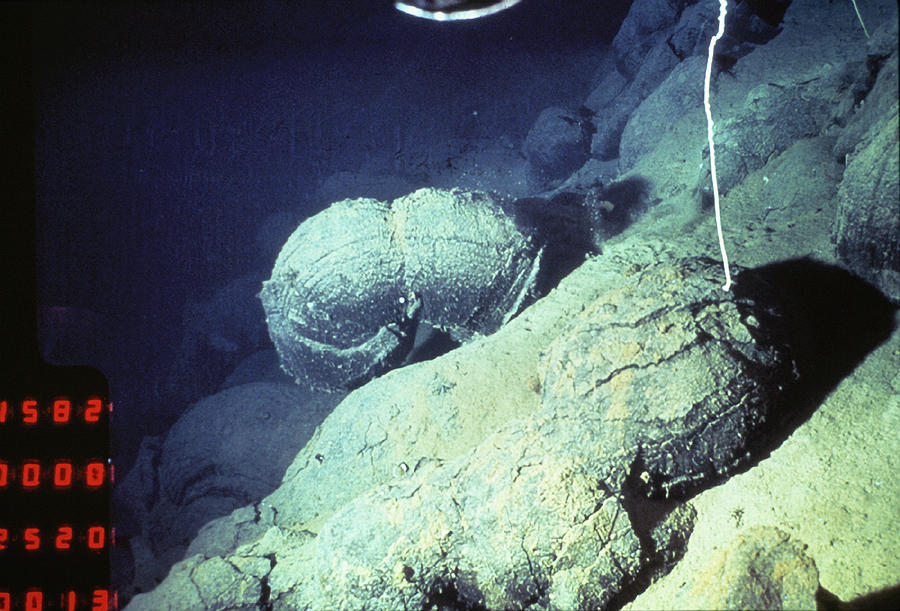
{"x": 636, "y": 437}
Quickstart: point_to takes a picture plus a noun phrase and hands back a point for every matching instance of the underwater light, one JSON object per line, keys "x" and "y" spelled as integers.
{"x": 452, "y": 10}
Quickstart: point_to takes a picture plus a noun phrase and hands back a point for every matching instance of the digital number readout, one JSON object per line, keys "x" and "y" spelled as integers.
{"x": 60, "y": 412}
{"x": 100, "y": 599}
{"x": 55, "y": 485}
{"x": 62, "y": 474}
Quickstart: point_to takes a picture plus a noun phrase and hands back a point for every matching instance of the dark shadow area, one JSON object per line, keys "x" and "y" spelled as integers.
{"x": 770, "y": 11}
{"x": 835, "y": 319}
{"x": 429, "y": 343}
{"x": 885, "y": 598}
{"x": 452, "y": 594}
{"x": 621, "y": 203}
{"x": 572, "y": 223}
{"x": 646, "y": 515}
{"x": 564, "y": 227}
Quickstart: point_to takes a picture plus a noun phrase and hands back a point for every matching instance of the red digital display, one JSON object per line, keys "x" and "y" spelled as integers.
{"x": 30, "y": 539}
{"x": 55, "y": 484}
{"x": 60, "y": 411}
{"x": 62, "y": 474}
{"x": 99, "y": 599}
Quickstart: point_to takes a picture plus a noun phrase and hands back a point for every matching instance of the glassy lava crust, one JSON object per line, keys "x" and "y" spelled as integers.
{"x": 352, "y": 282}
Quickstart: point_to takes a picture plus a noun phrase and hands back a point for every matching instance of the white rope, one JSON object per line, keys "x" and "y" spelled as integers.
{"x": 712, "y": 150}
{"x": 858, "y": 16}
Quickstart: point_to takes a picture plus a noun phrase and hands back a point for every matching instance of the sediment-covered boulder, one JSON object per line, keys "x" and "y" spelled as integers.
{"x": 681, "y": 376}
{"x": 866, "y": 231}
{"x": 224, "y": 452}
{"x": 760, "y": 568}
{"x": 659, "y": 384}
{"x": 648, "y": 124}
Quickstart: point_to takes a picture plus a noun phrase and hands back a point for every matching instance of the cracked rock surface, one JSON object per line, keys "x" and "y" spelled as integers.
{"x": 545, "y": 496}
{"x": 679, "y": 375}
{"x": 540, "y": 512}
{"x": 535, "y": 481}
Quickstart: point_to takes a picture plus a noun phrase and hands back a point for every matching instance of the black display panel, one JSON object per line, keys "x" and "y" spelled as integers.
{"x": 55, "y": 481}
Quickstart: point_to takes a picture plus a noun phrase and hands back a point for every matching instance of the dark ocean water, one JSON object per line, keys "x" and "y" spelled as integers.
{"x": 167, "y": 133}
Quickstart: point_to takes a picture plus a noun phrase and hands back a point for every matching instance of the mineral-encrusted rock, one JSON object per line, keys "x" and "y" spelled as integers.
{"x": 761, "y": 568}
{"x": 609, "y": 124}
{"x": 489, "y": 529}
{"x": 332, "y": 297}
{"x": 775, "y": 115}
{"x": 213, "y": 583}
{"x": 881, "y": 100}
{"x": 680, "y": 375}
{"x": 610, "y": 85}
{"x": 353, "y": 281}
{"x": 234, "y": 446}
{"x": 867, "y": 228}
{"x": 660, "y": 383}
